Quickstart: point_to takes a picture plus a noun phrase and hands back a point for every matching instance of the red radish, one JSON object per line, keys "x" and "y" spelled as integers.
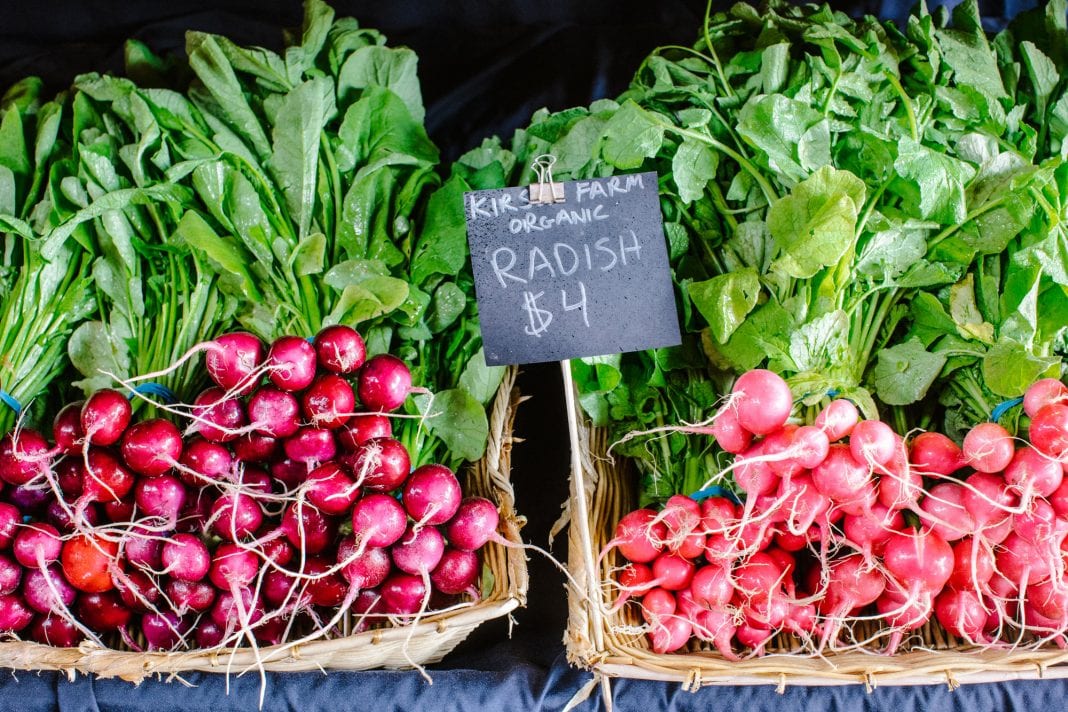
{"x": 922, "y": 560}
{"x": 851, "y": 584}
{"x": 232, "y": 361}
{"x": 329, "y": 402}
{"x": 324, "y": 588}
{"x": 14, "y": 613}
{"x": 384, "y": 383}
{"x": 837, "y": 419}
{"x": 289, "y": 472}
{"x": 1049, "y": 598}
{"x": 274, "y": 412}
{"x": 367, "y": 570}
{"x": 103, "y": 612}
{"x": 141, "y": 549}
{"x": 105, "y": 479}
{"x": 961, "y": 613}
{"x": 56, "y": 631}
{"x": 1058, "y": 499}
{"x": 185, "y": 557}
{"x": 216, "y": 417}
{"x": 988, "y": 447}
{"x": 138, "y": 590}
{"x": 731, "y": 436}
{"x": 419, "y": 551}
{"x": 232, "y": 565}
{"x": 308, "y": 528}
{"x": 255, "y": 447}
{"x": 809, "y": 448}
{"x": 935, "y": 453}
{"x": 758, "y": 575}
{"x": 432, "y": 494}
{"x": 331, "y": 490}
{"x": 236, "y": 516}
{"x": 801, "y": 620}
{"x": 282, "y": 589}
{"x": 943, "y": 509}
{"x": 23, "y": 456}
{"x": 840, "y": 476}
{"x": 194, "y": 517}
{"x": 37, "y": 544}
{"x": 403, "y": 594}
{"x": 670, "y": 634}
{"x": 10, "y": 575}
{"x": 28, "y": 497}
{"x": 277, "y": 550}
{"x": 105, "y": 416}
{"x": 209, "y": 635}
{"x": 255, "y": 480}
{"x": 70, "y": 474}
{"x": 1049, "y": 431}
{"x": 378, "y": 520}
{"x": 230, "y": 610}
{"x": 163, "y": 631}
{"x": 1033, "y": 473}
{"x": 762, "y": 401}
{"x": 162, "y": 496}
{"x": 380, "y": 464}
{"x": 152, "y": 446}
{"x": 1042, "y": 393}
{"x": 67, "y": 429}
{"x": 45, "y": 589}
{"x": 340, "y": 349}
{"x": 291, "y": 362}
{"x": 211, "y": 461}
{"x": 872, "y": 442}
{"x": 457, "y": 573}
{"x": 973, "y": 563}
{"x": 311, "y": 446}
{"x": 368, "y": 602}
{"x": 476, "y": 521}
{"x": 362, "y": 427}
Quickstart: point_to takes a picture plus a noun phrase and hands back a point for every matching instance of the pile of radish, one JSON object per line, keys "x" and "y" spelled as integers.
{"x": 262, "y": 513}
{"x": 852, "y": 536}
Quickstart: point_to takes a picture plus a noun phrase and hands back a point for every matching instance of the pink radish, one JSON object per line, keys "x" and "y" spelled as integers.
{"x": 457, "y": 573}
{"x": 236, "y": 516}
{"x": 309, "y": 529}
{"x": 380, "y": 464}
{"x": 340, "y": 349}
{"x": 363, "y": 427}
{"x": 331, "y": 489}
{"x": 378, "y": 520}
{"x": 291, "y": 363}
{"x": 185, "y": 557}
{"x": 23, "y": 456}
{"x": 639, "y": 535}
{"x": 988, "y": 447}
{"x": 403, "y": 594}
{"x": 418, "y": 552}
{"x": 67, "y": 429}
{"x": 329, "y": 402}
{"x": 274, "y": 412}
{"x": 872, "y": 442}
{"x": 935, "y": 453}
{"x": 1034, "y": 473}
{"x": 216, "y": 417}
{"x": 366, "y": 570}
{"x": 961, "y": 613}
{"x": 762, "y": 401}
{"x": 840, "y": 476}
{"x": 105, "y": 415}
{"x": 837, "y": 419}
{"x": 943, "y": 509}
{"x": 1049, "y": 431}
{"x": 973, "y": 563}
{"x": 152, "y": 447}
{"x": 475, "y": 523}
{"x": 432, "y": 494}
{"x": 1042, "y": 393}
{"x": 633, "y": 579}
{"x": 730, "y": 436}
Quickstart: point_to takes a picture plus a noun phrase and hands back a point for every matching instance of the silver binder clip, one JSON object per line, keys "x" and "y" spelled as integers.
{"x": 545, "y": 191}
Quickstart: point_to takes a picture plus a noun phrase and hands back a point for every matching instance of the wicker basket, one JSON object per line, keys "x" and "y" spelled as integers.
{"x": 408, "y": 646}
{"x": 603, "y": 490}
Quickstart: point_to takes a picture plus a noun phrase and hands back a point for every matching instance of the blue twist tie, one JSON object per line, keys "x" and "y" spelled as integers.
{"x": 310, "y": 340}
{"x": 833, "y": 393}
{"x": 715, "y": 491}
{"x": 157, "y": 389}
{"x": 1001, "y": 408}
{"x": 10, "y": 401}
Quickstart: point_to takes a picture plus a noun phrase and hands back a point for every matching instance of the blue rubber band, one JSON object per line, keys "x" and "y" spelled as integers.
{"x": 310, "y": 340}
{"x": 10, "y": 401}
{"x": 715, "y": 491}
{"x": 833, "y": 393}
{"x": 157, "y": 389}
{"x": 1001, "y": 408}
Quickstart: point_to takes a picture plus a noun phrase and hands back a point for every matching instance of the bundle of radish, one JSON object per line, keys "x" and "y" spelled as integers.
{"x": 267, "y": 510}
{"x": 849, "y": 536}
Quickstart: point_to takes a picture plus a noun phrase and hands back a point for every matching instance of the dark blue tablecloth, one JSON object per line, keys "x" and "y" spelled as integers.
{"x": 583, "y": 50}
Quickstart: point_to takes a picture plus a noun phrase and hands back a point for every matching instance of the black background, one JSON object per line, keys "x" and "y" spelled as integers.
{"x": 485, "y": 67}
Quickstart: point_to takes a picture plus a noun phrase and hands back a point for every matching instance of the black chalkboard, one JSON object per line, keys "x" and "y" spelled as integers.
{"x": 585, "y": 277}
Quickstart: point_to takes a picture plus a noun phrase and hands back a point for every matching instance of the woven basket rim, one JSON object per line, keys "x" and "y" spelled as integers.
{"x": 599, "y": 484}
{"x": 395, "y": 647}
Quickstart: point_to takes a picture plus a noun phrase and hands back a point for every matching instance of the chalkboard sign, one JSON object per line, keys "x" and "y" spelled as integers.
{"x": 585, "y": 277}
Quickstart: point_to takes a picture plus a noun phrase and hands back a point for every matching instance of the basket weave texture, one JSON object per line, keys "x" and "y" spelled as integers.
{"x": 604, "y": 488}
{"x": 389, "y": 647}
